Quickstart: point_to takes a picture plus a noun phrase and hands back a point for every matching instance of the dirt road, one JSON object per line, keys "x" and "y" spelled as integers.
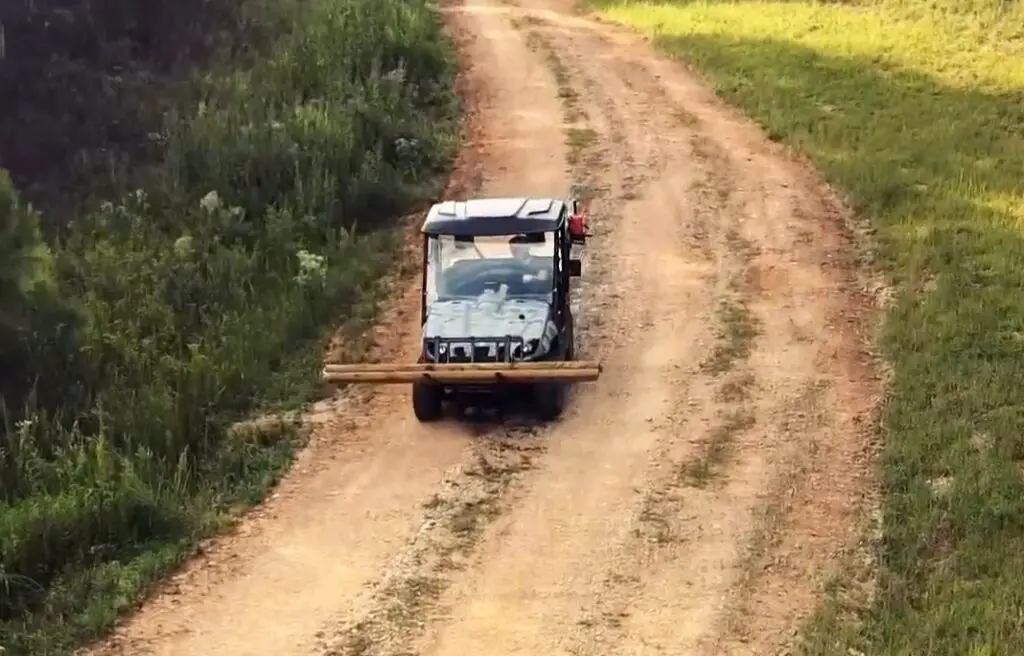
{"x": 691, "y": 501}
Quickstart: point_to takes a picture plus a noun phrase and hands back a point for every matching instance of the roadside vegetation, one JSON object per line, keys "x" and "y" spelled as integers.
{"x": 218, "y": 184}
{"x": 916, "y": 110}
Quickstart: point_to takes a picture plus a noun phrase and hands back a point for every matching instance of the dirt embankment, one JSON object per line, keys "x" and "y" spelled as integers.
{"x": 690, "y": 502}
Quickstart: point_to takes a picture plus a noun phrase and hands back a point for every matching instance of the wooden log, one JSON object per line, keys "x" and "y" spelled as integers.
{"x": 466, "y": 366}
{"x": 462, "y": 374}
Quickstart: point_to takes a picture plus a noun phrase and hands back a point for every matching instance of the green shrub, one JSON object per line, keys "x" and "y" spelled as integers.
{"x": 36, "y": 325}
{"x": 200, "y": 302}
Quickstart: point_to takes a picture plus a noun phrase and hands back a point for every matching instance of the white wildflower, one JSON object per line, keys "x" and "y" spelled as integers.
{"x": 183, "y": 245}
{"x": 312, "y": 267}
{"x": 211, "y": 202}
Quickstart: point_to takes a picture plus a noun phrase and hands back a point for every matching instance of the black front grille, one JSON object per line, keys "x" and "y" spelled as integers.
{"x": 460, "y": 351}
{"x": 496, "y": 353}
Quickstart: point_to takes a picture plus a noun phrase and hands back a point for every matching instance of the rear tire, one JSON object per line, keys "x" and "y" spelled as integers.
{"x": 427, "y": 401}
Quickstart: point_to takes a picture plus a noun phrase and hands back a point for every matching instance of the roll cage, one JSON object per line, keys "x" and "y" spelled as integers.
{"x": 563, "y": 219}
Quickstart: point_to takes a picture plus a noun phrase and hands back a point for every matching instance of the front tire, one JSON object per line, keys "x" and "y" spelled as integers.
{"x": 427, "y": 401}
{"x": 570, "y": 338}
{"x": 550, "y": 398}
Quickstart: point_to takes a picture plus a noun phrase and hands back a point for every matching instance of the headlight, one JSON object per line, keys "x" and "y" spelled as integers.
{"x": 531, "y": 349}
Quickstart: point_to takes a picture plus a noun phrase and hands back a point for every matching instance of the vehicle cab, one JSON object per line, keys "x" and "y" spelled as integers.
{"x": 496, "y": 278}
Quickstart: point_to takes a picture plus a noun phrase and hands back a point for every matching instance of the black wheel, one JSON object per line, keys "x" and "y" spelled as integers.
{"x": 570, "y": 338}
{"x": 550, "y": 398}
{"x": 427, "y": 401}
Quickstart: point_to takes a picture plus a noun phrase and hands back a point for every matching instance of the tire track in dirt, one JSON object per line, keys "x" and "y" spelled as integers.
{"x": 817, "y": 389}
{"x": 695, "y": 562}
{"x": 658, "y": 534}
{"x": 758, "y": 538}
{"x": 595, "y": 500}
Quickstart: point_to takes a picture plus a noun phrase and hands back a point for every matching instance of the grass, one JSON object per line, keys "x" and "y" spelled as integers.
{"x": 915, "y": 109}
{"x": 134, "y": 349}
{"x": 580, "y": 139}
{"x": 700, "y": 473}
{"x": 737, "y": 329}
{"x": 567, "y": 94}
{"x": 457, "y": 517}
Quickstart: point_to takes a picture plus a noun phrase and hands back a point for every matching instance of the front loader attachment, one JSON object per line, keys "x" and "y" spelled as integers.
{"x": 473, "y": 373}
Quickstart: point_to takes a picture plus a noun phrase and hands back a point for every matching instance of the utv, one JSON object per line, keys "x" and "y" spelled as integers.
{"x": 495, "y": 311}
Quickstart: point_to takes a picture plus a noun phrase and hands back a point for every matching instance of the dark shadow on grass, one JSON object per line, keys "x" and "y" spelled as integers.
{"x": 919, "y": 159}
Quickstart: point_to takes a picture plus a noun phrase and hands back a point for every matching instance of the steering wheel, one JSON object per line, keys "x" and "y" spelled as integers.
{"x": 491, "y": 278}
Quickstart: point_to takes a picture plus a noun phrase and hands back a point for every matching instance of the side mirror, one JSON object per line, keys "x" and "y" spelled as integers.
{"x": 575, "y": 268}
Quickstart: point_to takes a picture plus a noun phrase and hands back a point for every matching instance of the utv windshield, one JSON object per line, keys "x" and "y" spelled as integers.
{"x": 515, "y": 266}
